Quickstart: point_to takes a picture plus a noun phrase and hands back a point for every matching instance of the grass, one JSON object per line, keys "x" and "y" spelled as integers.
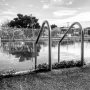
{"x": 61, "y": 79}
{"x": 58, "y": 79}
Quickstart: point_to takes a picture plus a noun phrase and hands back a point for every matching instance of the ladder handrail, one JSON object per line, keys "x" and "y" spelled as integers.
{"x": 82, "y": 42}
{"x": 49, "y": 41}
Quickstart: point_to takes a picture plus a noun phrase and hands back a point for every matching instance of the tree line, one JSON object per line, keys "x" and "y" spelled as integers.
{"x": 22, "y": 21}
{"x": 25, "y": 21}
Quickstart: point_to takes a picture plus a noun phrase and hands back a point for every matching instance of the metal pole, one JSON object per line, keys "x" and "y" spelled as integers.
{"x": 32, "y": 27}
{"x": 59, "y": 53}
{"x": 82, "y": 41}
{"x": 82, "y": 47}
{"x": 49, "y": 48}
{"x": 35, "y": 57}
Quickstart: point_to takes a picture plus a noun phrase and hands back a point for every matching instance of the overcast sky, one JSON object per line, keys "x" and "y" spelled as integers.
{"x": 56, "y": 11}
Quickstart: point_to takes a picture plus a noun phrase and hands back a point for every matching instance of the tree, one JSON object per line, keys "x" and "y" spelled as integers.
{"x": 24, "y": 21}
{"x": 53, "y": 26}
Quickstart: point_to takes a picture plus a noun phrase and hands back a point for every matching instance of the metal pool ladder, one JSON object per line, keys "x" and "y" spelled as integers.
{"x": 49, "y": 41}
{"x": 49, "y": 47}
{"x": 82, "y": 42}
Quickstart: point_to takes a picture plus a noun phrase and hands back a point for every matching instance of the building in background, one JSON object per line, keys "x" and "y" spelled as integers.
{"x": 87, "y": 31}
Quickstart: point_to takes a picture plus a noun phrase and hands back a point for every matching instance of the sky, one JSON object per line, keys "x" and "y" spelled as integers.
{"x": 57, "y": 12}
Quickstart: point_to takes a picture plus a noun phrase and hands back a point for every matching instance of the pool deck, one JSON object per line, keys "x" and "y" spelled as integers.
{"x": 61, "y": 79}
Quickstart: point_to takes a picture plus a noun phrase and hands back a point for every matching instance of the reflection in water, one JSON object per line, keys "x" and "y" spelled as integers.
{"x": 22, "y": 50}
{"x": 20, "y": 55}
{"x": 25, "y": 50}
{"x": 63, "y": 43}
{"x": 55, "y": 43}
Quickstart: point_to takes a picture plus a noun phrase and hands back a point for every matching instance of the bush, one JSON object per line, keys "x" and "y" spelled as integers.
{"x": 63, "y": 64}
{"x": 70, "y": 64}
{"x": 79, "y": 64}
{"x": 43, "y": 66}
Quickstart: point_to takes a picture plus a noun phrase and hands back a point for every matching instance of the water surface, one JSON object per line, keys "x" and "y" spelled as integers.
{"x": 19, "y": 56}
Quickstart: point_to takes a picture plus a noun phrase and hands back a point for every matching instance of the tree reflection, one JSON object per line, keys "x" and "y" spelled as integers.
{"x": 55, "y": 43}
{"x": 22, "y": 50}
{"x": 64, "y": 43}
{"x": 25, "y": 50}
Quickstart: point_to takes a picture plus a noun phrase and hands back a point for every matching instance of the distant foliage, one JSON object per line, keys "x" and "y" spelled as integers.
{"x": 53, "y": 26}
{"x": 21, "y": 27}
{"x": 17, "y": 33}
{"x": 24, "y": 21}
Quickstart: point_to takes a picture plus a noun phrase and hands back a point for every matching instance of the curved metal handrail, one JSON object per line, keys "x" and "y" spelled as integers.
{"x": 82, "y": 42}
{"x": 49, "y": 41}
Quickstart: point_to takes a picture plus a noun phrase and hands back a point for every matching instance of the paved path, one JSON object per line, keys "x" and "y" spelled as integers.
{"x": 64, "y": 79}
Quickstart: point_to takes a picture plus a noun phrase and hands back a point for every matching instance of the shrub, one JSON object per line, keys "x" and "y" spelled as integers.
{"x": 79, "y": 64}
{"x": 63, "y": 64}
{"x": 43, "y": 66}
{"x": 70, "y": 64}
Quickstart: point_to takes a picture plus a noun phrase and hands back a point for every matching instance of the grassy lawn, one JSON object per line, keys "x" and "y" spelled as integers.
{"x": 61, "y": 79}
